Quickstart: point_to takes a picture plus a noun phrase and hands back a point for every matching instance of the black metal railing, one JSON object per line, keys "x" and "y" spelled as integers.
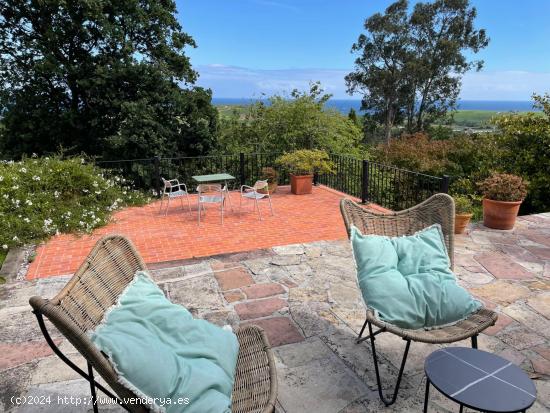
{"x": 385, "y": 185}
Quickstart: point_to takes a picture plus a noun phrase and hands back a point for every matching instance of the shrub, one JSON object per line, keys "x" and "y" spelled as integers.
{"x": 463, "y": 204}
{"x": 504, "y": 187}
{"x": 306, "y": 162}
{"x": 525, "y": 140}
{"x": 270, "y": 174}
{"x": 46, "y": 196}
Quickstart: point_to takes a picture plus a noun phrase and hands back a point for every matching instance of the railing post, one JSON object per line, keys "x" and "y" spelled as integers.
{"x": 444, "y": 184}
{"x": 242, "y": 176}
{"x": 315, "y": 178}
{"x": 156, "y": 166}
{"x": 365, "y": 182}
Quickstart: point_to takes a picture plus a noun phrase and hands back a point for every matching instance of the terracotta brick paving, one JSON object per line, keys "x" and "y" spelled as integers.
{"x": 177, "y": 236}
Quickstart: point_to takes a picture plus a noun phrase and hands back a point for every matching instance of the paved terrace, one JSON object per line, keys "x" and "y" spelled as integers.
{"x": 177, "y": 236}
{"x": 306, "y": 298}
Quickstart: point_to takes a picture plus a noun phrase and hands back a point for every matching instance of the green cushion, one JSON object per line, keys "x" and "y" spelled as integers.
{"x": 408, "y": 280}
{"x": 159, "y": 350}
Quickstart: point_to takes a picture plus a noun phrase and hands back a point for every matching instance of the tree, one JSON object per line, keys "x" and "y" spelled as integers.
{"x": 380, "y": 67}
{"x": 411, "y": 64}
{"x": 287, "y": 123}
{"x": 109, "y": 78}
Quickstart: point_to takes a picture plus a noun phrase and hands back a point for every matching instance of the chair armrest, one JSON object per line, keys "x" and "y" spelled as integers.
{"x": 245, "y": 187}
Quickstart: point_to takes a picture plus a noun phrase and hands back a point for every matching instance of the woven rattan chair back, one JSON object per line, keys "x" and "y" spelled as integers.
{"x": 438, "y": 209}
{"x": 80, "y": 306}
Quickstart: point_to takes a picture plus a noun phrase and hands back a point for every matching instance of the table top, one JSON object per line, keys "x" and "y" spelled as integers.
{"x": 213, "y": 177}
{"x": 480, "y": 380}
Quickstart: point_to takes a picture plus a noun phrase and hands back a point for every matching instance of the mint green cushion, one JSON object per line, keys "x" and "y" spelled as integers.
{"x": 408, "y": 280}
{"x": 159, "y": 350}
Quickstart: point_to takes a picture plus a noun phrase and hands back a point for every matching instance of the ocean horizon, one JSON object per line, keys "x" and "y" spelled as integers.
{"x": 344, "y": 105}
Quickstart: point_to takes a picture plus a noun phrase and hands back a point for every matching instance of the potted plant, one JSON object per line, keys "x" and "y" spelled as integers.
{"x": 502, "y": 197}
{"x": 463, "y": 212}
{"x": 270, "y": 175}
{"x": 302, "y": 164}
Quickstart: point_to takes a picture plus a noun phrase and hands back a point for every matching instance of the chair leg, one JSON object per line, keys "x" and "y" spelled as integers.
{"x": 167, "y": 206}
{"x": 161, "y": 201}
{"x": 270, "y": 205}
{"x": 181, "y": 202}
{"x": 375, "y": 360}
{"x": 188, "y": 202}
{"x": 258, "y": 207}
{"x": 199, "y": 214}
{"x": 92, "y": 386}
{"x": 474, "y": 341}
{"x": 427, "y": 395}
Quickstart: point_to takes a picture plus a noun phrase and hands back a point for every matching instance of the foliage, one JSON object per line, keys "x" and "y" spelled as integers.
{"x": 45, "y": 196}
{"x": 410, "y": 64}
{"x": 417, "y": 153}
{"x": 306, "y": 162}
{"x": 270, "y": 174}
{"x": 299, "y": 121}
{"x": 463, "y": 204}
{"x": 525, "y": 142}
{"x": 504, "y": 187}
{"x": 108, "y": 78}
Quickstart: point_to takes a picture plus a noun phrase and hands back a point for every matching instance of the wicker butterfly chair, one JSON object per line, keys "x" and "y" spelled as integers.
{"x": 438, "y": 209}
{"x": 80, "y": 306}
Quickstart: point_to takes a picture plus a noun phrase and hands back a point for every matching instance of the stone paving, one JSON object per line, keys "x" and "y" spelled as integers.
{"x": 305, "y": 297}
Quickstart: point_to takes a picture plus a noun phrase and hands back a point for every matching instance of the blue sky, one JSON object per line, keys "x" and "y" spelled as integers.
{"x": 250, "y": 47}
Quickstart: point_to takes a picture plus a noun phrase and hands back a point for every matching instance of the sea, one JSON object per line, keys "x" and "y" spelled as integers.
{"x": 344, "y": 105}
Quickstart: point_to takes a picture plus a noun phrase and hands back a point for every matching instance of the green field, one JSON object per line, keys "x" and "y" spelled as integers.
{"x": 461, "y": 119}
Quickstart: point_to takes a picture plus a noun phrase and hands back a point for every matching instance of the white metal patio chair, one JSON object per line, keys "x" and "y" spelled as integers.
{"x": 212, "y": 194}
{"x": 173, "y": 189}
{"x": 251, "y": 192}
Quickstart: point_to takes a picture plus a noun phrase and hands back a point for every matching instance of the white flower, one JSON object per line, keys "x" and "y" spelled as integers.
{"x": 15, "y": 187}
{"x": 24, "y": 170}
{"x": 27, "y": 220}
{"x": 95, "y": 184}
{"x": 1, "y": 178}
{"x": 36, "y": 178}
{"x": 15, "y": 238}
{"x": 81, "y": 223}
{"x": 34, "y": 155}
{"x": 5, "y": 196}
{"x": 5, "y": 246}
{"x": 56, "y": 194}
{"x": 28, "y": 202}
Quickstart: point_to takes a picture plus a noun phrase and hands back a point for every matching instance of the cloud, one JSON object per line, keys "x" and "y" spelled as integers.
{"x": 239, "y": 82}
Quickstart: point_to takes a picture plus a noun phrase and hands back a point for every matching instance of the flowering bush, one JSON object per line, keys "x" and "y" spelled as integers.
{"x": 40, "y": 197}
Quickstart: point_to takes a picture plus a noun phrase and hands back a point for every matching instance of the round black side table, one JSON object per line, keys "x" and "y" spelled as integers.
{"x": 478, "y": 380}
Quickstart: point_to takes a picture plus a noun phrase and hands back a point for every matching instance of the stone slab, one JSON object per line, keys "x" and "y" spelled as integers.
{"x": 502, "y": 321}
{"x": 313, "y": 379}
{"x": 501, "y": 266}
{"x": 13, "y": 354}
{"x": 233, "y": 278}
{"x": 259, "y": 308}
{"x": 279, "y": 330}
{"x": 263, "y": 290}
{"x": 501, "y": 292}
{"x": 541, "y": 304}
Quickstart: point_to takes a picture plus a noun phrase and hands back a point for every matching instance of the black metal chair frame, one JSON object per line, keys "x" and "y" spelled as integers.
{"x": 372, "y": 338}
{"x": 88, "y": 376}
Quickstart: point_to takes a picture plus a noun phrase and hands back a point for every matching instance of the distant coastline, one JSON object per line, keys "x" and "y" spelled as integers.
{"x": 344, "y": 105}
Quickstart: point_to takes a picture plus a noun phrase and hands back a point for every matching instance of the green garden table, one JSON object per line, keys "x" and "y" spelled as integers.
{"x": 202, "y": 179}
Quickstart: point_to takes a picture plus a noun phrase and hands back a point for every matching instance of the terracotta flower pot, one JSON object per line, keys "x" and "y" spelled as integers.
{"x": 461, "y": 222}
{"x": 500, "y": 214}
{"x": 301, "y": 184}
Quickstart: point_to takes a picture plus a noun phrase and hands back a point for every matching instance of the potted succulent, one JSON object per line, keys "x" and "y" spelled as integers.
{"x": 270, "y": 175}
{"x": 463, "y": 212}
{"x": 502, "y": 197}
{"x": 302, "y": 164}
